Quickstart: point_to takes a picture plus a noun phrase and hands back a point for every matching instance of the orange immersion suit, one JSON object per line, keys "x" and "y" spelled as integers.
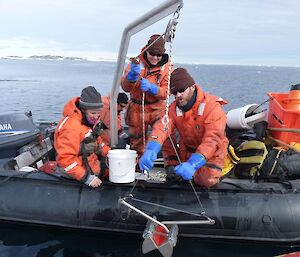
{"x": 201, "y": 130}
{"x": 105, "y": 119}
{"x": 69, "y": 134}
{"x": 154, "y": 105}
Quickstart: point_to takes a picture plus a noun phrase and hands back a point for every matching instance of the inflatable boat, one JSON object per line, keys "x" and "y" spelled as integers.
{"x": 236, "y": 209}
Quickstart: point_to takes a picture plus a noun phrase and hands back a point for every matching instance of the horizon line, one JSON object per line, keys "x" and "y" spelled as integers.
{"x": 77, "y": 58}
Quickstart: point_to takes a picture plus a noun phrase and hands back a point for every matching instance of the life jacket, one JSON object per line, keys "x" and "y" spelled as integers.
{"x": 245, "y": 160}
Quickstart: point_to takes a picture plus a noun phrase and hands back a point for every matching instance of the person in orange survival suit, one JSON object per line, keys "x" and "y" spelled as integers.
{"x": 200, "y": 122}
{"x": 76, "y": 138}
{"x": 122, "y": 103}
{"x": 153, "y": 81}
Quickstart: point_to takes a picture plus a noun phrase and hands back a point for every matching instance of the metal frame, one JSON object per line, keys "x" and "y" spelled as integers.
{"x": 207, "y": 221}
{"x": 149, "y": 18}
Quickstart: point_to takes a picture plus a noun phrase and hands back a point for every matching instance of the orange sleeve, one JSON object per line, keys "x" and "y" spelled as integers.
{"x": 159, "y": 134}
{"x": 213, "y": 137}
{"x": 105, "y": 117}
{"x": 67, "y": 146}
{"x": 105, "y": 148}
{"x": 119, "y": 122}
{"x": 164, "y": 83}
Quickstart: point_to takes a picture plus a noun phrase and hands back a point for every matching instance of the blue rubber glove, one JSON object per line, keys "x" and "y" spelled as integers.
{"x": 147, "y": 86}
{"x": 150, "y": 155}
{"x": 187, "y": 169}
{"x": 133, "y": 74}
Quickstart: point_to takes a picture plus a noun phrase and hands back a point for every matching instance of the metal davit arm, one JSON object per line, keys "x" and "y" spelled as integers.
{"x": 154, "y": 15}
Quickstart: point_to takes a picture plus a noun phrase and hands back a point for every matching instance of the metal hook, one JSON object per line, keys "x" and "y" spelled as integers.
{"x": 170, "y": 30}
{"x": 171, "y": 27}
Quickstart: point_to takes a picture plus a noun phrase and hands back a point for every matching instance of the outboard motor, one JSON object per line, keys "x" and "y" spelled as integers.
{"x": 16, "y": 130}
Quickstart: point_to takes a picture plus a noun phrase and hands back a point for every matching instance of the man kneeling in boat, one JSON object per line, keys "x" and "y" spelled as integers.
{"x": 200, "y": 122}
{"x": 77, "y": 141}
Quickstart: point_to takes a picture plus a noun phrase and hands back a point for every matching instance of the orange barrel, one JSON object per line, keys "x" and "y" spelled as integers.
{"x": 293, "y": 100}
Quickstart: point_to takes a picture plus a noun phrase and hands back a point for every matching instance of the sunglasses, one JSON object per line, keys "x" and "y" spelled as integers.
{"x": 154, "y": 54}
{"x": 179, "y": 91}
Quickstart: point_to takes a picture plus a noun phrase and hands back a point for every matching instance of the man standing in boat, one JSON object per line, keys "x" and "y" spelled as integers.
{"x": 200, "y": 122}
{"x": 77, "y": 141}
{"x": 146, "y": 79}
{"x": 122, "y": 103}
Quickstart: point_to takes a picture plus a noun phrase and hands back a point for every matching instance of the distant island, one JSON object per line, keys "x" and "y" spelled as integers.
{"x": 59, "y": 58}
{"x": 114, "y": 60}
{"x": 56, "y": 57}
{"x": 53, "y": 57}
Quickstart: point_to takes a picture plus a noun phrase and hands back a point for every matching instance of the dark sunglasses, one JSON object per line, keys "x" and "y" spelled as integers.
{"x": 180, "y": 91}
{"x": 154, "y": 54}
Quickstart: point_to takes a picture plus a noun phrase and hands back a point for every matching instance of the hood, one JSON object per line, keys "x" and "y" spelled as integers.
{"x": 71, "y": 109}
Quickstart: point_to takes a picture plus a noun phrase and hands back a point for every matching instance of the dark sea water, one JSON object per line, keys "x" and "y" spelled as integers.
{"x": 29, "y": 241}
{"x": 44, "y": 86}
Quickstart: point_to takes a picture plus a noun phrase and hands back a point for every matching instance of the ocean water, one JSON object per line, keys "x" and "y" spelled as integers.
{"x": 44, "y": 86}
{"x": 16, "y": 241}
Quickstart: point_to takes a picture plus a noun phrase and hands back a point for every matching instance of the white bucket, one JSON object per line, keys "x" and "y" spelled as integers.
{"x": 236, "y": 118}
{"x": 122, "y": 165}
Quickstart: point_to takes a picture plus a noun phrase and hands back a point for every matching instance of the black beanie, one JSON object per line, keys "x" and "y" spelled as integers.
{"x": 122, "y": 98}
{"x": 90, "y": 99}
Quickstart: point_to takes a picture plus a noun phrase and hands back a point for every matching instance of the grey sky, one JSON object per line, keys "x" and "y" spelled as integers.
{"x": 209, "y": 31}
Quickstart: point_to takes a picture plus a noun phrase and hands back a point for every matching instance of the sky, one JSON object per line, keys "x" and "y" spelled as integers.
{"x": 243, "y": 32}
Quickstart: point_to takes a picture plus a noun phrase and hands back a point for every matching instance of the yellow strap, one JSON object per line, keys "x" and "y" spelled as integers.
{"x": 227, "y": 166}
{"x": 231, "y": 154}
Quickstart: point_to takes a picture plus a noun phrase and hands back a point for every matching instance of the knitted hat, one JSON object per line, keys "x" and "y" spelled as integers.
{"x": 90, "y": 99}
{"x": 122, "y": 98}
{"x": 180, "y": 80}
{"x": 158, "y": 47}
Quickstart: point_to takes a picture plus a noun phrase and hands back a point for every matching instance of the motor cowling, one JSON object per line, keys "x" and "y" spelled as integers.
{"x": 16, "y": 130}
